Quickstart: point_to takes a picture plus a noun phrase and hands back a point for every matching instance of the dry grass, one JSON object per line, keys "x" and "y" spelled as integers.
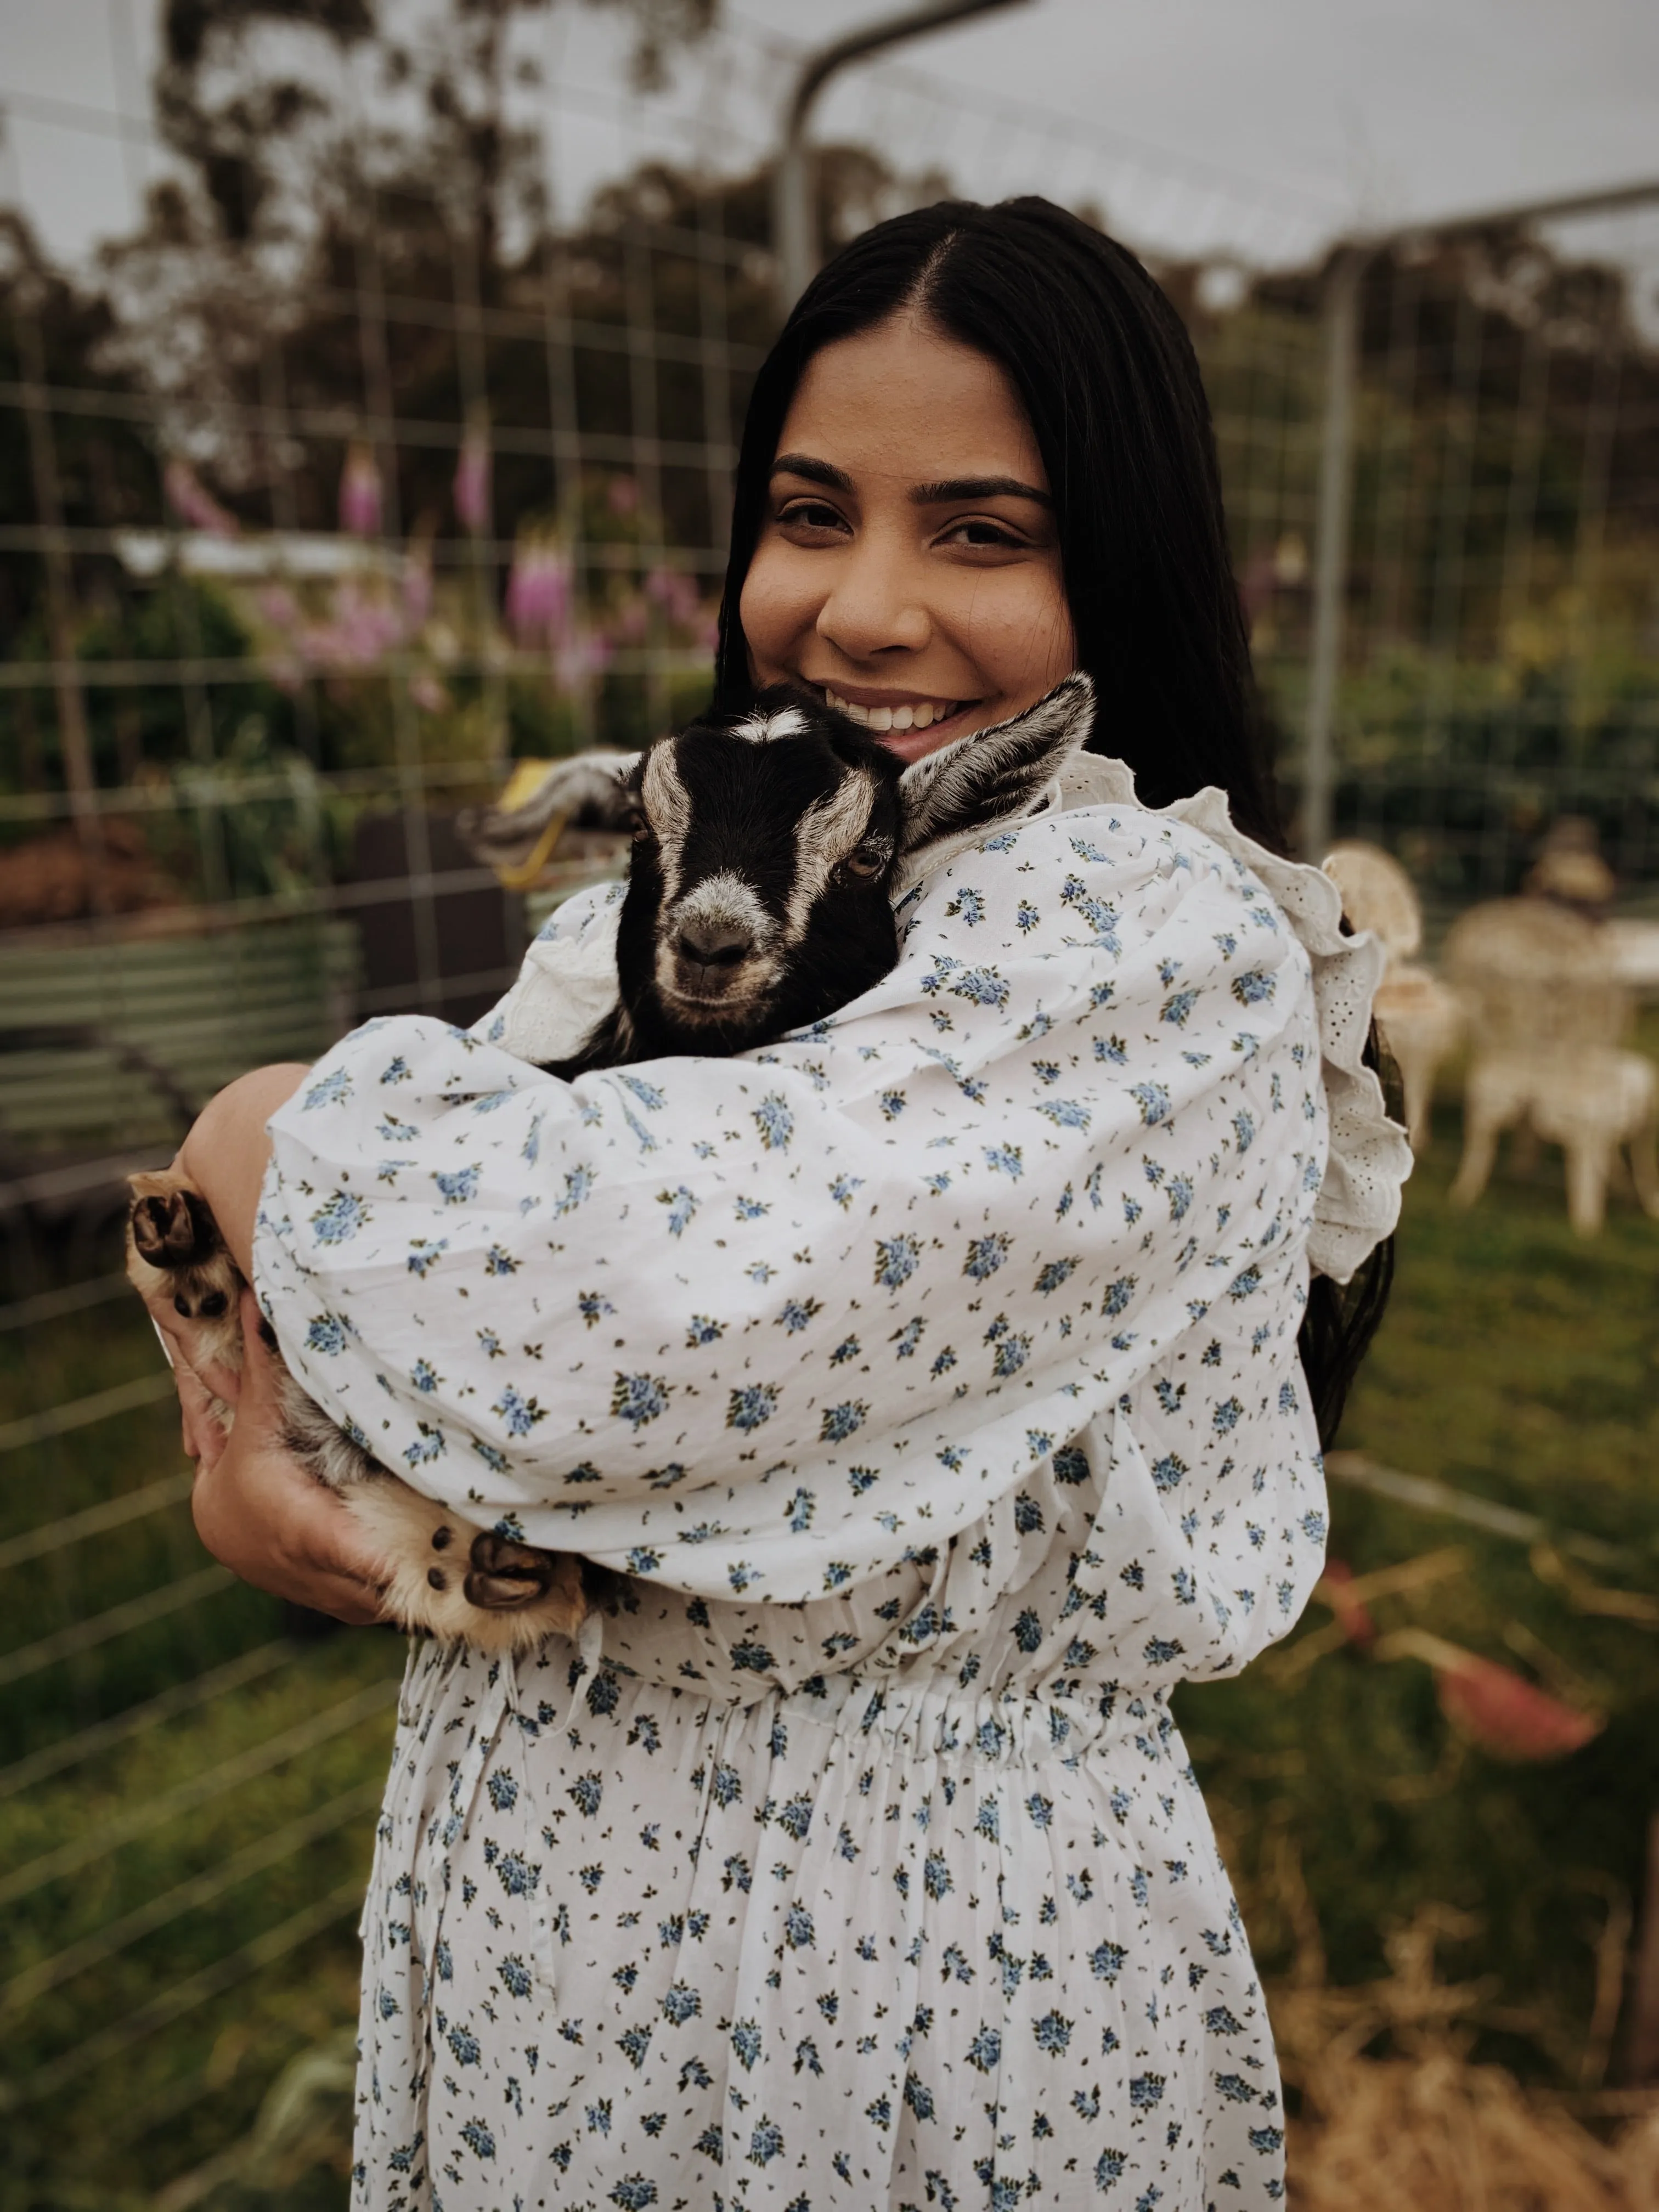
{"x": 1420, "y": 2125}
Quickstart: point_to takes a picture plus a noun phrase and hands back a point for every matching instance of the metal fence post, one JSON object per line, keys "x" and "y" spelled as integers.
{"x": 1339, "y": 315}
{"x": 794, "y": 240}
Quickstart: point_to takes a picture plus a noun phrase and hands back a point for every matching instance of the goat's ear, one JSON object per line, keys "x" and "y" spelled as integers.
{"x": 990, "y": 775}
{"x": 592, "y": 786}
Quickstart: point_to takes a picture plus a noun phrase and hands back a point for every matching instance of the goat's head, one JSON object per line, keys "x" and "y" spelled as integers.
{"x": 769, "y": 846}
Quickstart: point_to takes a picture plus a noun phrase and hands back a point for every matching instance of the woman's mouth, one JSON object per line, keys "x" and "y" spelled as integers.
{"x": 892, "y": 717}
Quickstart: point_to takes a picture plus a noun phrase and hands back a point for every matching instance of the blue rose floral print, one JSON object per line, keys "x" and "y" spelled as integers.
{"x": 932, "y": 1375}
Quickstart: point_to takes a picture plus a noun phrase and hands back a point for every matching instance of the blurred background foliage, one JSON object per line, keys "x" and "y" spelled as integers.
{"x": 301, "y": 270}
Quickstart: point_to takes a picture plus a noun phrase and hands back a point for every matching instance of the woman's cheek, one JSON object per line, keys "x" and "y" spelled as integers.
{"x": 1021, "y": 640}
{"x": 774, "y": 609}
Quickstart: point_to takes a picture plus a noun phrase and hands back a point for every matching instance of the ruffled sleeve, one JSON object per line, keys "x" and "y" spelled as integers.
{"x": 1370, "y": 1156}
{"x": 780, "y": 1321}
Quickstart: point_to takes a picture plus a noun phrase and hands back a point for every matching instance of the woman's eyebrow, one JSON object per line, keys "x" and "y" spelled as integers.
{"x": 821, "y": 472}
{"x": 960, "y": 488}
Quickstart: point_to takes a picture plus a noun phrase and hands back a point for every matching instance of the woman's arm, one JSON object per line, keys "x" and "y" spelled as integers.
{"x": 225, "y": 1156}
{"x": 258, "y": 1511}
{"x": 227, "y": 1153}
{"x": 770, "y": 1324}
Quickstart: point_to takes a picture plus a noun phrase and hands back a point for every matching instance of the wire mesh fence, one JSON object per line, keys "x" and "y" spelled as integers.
{"x": 327, "y": 496}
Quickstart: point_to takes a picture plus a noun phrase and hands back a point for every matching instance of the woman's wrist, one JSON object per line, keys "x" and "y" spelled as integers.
{"x": 261, "y": 1516}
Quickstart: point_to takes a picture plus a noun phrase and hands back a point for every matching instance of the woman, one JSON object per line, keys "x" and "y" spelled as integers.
{"x": 935, "y": 1377}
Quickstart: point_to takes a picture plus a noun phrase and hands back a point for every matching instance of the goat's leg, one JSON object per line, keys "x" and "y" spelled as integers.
{"x": 1589, "y": 1157}
{"x": 435, "y": 1582}
{"x": 1644, "y": 1166}
{"x": 176, "y": 1257}
{"x": 1481, "y": 1125}
{"x": 1416, "y": 1067}
{"x": 174, "y": 1250}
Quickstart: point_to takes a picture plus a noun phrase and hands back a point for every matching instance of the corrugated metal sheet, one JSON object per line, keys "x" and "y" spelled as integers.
{"x": 199, "y": 1010}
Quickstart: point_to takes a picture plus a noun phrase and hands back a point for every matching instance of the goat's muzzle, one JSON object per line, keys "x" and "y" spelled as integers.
{"x": 715, "y": 952}
{"x": 711, "y": 943}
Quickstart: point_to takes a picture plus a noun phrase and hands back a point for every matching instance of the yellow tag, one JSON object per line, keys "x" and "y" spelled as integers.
{"x": 525, "y": 777}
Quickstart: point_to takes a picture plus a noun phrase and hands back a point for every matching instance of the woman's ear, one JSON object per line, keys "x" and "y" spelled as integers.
{"x": 991, "y": 774}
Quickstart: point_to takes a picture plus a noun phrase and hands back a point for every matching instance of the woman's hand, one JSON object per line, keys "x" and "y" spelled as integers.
{"x": 257, "y": 1511}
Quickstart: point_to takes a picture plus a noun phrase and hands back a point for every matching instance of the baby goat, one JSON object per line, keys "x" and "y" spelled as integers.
{"x": 769, "y": 848}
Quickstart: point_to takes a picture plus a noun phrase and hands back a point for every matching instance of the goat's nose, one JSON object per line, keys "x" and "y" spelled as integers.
{"x": 714, "y": 944}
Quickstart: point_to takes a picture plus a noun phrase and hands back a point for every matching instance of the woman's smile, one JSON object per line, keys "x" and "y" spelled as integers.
{"x": 907, "y": 725}
{"x": 909, "y": 567}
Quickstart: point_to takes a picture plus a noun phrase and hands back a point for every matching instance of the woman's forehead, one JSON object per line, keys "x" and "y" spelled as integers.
{"x": 904, "y": 403}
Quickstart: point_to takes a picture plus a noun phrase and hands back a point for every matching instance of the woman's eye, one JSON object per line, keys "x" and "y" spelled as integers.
{"x": 987, "y": 534}
{"x": 811, "y": 515}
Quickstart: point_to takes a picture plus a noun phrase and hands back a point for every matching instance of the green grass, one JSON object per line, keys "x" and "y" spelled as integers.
{"x": 265, "y": 1769}
{"x": 1519, "y": 1363}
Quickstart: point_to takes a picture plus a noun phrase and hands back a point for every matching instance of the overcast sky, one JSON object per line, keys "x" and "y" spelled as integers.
{"x": 1265, "y": 126}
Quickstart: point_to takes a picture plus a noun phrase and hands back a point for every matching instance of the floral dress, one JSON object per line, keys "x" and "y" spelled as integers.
{"x": 932, "y": 1379}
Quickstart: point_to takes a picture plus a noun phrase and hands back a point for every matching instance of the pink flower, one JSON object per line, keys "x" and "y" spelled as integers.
{"x": 417, "y": 589}
{"x": 278, "y": 606}
{"x": 674, "y": 591}
{"x": 359, "y": 493}
{"x": 427, "y": 693}
{"x": 362, "y": 632}
{"x": 582, "y": 659}
{"x": 472, "y": 478}
{"x": 538, "y": 591}
{"x": 192, "y": 503}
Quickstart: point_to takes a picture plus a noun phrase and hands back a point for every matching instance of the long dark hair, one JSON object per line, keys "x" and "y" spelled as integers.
{"x": 1109, "y": 382}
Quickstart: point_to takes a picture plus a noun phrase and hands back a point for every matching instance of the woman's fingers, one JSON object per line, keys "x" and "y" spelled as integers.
{"x": 263, "y": 1515}
{"x": 204, "y": 1435}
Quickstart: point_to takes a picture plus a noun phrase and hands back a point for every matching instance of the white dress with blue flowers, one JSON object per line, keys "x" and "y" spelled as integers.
{"x": 933, "y": 1378}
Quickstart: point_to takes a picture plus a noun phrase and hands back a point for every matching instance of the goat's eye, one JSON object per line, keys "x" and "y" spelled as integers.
{"x": 867, "y": 860}
{"x": 638, "y": 828}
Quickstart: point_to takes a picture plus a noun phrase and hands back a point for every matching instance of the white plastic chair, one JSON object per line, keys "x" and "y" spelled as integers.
{"x": 1420, "y": 1019}
{"x": 1547, "y": 1011}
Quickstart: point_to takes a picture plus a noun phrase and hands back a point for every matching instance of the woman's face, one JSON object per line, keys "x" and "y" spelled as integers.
{"x": 907, "y": 568}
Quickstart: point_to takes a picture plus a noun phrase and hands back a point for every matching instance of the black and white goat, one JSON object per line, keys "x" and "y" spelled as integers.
{"x": 769, "y": 846}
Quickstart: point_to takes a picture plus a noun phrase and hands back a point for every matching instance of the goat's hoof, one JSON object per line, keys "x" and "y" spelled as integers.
{"x": 176, "y": 1231}
{"x": 505, "y": 1575}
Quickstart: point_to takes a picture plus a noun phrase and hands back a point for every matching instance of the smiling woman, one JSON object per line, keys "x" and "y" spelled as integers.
{"x": 1009, "y": 470}
{"x": 936, "y": 1381}
{"x": 925, "y": 607}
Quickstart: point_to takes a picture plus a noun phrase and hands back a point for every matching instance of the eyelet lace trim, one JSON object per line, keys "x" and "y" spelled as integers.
{"x": 1359, "y": 1201}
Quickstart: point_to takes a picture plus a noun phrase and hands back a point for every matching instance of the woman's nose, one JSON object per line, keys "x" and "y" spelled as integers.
{"x": 874, "y": 606}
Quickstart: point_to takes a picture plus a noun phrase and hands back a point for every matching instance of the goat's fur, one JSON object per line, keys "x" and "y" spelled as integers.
{"x": 441, "y": 1572}
{"x": 769, "y": 848}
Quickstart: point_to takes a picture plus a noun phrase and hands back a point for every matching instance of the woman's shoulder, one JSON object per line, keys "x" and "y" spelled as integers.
{"x": 1098, "y": 871}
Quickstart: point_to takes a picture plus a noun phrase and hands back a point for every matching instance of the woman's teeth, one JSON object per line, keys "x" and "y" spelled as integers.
{"x": 881, "y": 718}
